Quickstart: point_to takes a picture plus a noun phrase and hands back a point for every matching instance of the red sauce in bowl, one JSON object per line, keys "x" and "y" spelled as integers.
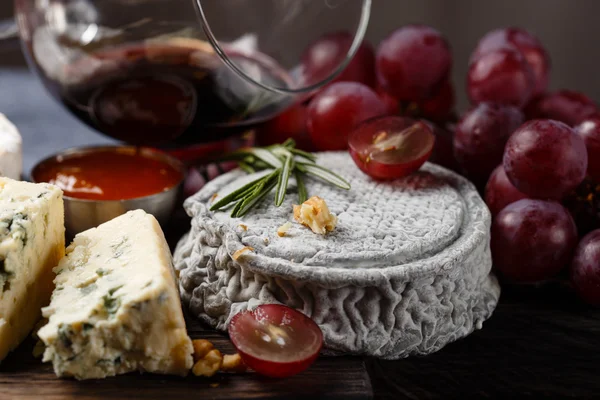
{"x": 105, "y": 173}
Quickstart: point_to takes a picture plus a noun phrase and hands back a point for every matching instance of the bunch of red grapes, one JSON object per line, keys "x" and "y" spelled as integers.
{"x": 534, "y": 154}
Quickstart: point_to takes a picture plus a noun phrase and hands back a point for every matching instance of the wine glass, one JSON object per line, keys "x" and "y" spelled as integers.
{"x": 182, "y": 73}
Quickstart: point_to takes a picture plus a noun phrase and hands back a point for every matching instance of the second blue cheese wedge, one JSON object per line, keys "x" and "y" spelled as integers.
{"x": 116, "y": 307}
{"x": 32, "y": 242}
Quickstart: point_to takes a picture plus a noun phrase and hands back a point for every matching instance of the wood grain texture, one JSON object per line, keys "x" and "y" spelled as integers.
{"x": 24, "y": 377}
{"x": 540, "y": 343}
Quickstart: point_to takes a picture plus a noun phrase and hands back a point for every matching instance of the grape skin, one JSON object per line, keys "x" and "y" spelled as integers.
{"x": 532, "y": 240}
{"x": 524, "y": 42}
{"x": 567, "y": 106}
{"x": 589, "y": 131}
{"x": 413, "y": 62}
{"x": 322, "y": 57}
{"x": 480, "y": 138}
{"x": 499, "y": 192}
{"x": 337, "y": 110}
{"x": 585, "y": 268}
{"x": 545, "y": 159}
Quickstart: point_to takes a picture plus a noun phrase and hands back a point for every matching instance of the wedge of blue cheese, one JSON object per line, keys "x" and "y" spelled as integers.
{"x": 32, "y": 242}
{"x": 116, "y": 306}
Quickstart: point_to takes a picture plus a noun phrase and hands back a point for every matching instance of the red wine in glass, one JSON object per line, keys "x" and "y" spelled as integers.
{"x": 170, "y": 94}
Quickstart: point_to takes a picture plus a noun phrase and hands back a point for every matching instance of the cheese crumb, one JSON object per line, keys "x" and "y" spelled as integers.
{"x": 283, "y": 229}
{"x": 244, "y": 227}
{"x": 240, "y": 252}
{"x": 315, "y": 214}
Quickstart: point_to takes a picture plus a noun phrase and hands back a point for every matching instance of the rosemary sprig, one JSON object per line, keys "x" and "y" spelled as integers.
{"x": 273, "y": 166}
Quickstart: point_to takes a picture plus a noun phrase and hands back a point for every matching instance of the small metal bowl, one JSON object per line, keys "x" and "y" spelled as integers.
{"x": 83, "y": 214}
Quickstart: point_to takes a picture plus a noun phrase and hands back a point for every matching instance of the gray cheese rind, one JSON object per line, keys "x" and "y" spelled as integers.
{"x": 405, "y": 272}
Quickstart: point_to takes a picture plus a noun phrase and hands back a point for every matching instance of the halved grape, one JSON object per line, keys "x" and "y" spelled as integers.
{"x": 585, "y": 268}
{"x": 275, "y": 340}
{"x": 527, "y": 44}
{"x": 589, "y": 131}
{"x": 499, "y": 192}
{"x": 337, "y": 110}
{"x": 480, "y": 138}
{"x": 413, "y": 62}
{"x": 324, "y": 55}
{"x": 545, "y": 159}
{"x": 391, "y": 147}
{"x": 566, "y": 106}
{"x": 532, "y": 240}
{"x": 502, "y": 76}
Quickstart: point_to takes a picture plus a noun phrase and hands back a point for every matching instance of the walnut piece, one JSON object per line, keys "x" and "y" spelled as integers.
{"x": 283, "y": 229}
{"x": 241, "y": 251}
{"x": 315, "y": 214}
{"x": 233, "y": 363}
{"x": 201, "y": 348}
{"x": 209, "y": 364}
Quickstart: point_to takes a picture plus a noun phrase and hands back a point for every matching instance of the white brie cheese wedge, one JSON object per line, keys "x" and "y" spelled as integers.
{"x": 32, "y": 241}
{"x": 11, "y": 156}
{"x": 116, "y": 307}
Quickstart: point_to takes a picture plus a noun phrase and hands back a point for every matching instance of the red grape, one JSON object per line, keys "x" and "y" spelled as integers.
{"x": 545, "y": 159}
{"x": 532, "y": 240}
{"x": 323, "y": 56}
{"x": 589, "y": 131}
{"x": 440, "y": 105}
{"x": 502, "y": 76}
{"x": 413, "y": 62}
{"x": 499, "y": 192}
{"x": 337, "y": 110}
{"x": 585, "y": 268}
{"x": 391, "y": 147}
{"x": 480, "y": 138}
{"x": 527, "y": 44}
{"x": 392, "y": 104}
{"x": 566, "y": 106}
{"x": 276, "y": 340}
{"x": 289, "y": 124}
{"x": 443, "y": 153}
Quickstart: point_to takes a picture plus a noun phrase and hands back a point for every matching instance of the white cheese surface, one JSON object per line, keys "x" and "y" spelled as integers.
{"x": 116, "y": 307}
{"x": 32, "y": 241}
{"x": 11, "y": 156}
{"x": 405, "y": 272}
{"x": 378, "y": 224}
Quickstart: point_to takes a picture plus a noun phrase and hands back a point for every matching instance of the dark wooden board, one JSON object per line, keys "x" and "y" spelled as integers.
{"x": 24, "y": 377}
{"x": 540, "y": 343}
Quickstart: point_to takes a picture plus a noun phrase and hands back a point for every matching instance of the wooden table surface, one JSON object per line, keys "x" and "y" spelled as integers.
{"x": 540, "y": 342}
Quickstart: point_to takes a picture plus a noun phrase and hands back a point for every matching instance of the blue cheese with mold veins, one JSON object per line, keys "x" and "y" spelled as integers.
{"x": 32, "y": 241}
{"x": 116, "y": 307}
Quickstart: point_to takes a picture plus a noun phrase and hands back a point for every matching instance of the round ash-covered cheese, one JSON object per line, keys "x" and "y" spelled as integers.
{"x": 405, "y": 271}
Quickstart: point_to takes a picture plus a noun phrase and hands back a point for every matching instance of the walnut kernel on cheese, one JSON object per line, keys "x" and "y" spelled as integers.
{"x": 315, "y": 214}
{"x": 241, "y": 251}
{"x": 283, "y": 229}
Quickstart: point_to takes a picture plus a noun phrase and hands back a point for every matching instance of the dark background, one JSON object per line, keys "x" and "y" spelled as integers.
{"x": 569, "y": 29}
